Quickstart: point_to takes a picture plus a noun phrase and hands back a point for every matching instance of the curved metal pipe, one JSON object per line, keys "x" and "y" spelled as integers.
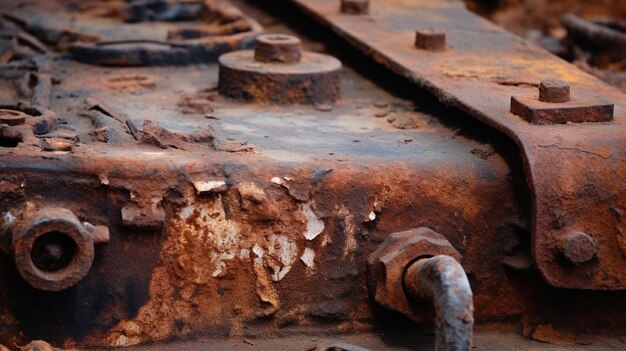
{"x": 442, "y": 281}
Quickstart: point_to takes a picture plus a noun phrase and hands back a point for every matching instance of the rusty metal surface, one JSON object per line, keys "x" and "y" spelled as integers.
{"x": 479, "y": 73}
{"x": 254, "y": 221}
{"x": 139, "y": 33}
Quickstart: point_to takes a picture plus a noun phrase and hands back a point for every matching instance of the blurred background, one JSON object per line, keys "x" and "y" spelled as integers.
{"x": 589, "y": 33}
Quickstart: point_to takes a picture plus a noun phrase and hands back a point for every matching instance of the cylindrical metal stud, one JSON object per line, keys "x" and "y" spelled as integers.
{"x": 554, "y": 91}
{"x": 277, "y": 48}
{"x": 430, "y": 39}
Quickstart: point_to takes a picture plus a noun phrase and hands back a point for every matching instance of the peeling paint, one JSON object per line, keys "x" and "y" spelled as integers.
{"x": 308, "y": 257}
{"x": 259, "y": 252}
{"x": 210, "y": 186}
{"x": 285, "y": 252}
{"x": 314, "y": 226}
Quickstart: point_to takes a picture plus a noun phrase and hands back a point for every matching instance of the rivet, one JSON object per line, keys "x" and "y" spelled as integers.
{"x": 579, "y": 248}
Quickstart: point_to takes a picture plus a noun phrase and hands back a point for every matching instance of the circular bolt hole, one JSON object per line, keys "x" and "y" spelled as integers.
{"x": 53, "y": 251}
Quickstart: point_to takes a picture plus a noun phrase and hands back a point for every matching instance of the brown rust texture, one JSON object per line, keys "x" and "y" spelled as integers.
{"x": 183, "y": 35}
{"x": 252, "y": 219}
{"x": 479, "y": 74}
{"x": 226, "y": 267}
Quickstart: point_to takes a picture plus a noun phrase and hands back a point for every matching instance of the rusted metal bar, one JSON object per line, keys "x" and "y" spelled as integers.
{"x": 441, "y": 281}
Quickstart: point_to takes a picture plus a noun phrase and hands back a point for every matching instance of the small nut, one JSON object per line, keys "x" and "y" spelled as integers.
{"x": 386, "y": 265}
{"x": 554, "y": 91}
{"x": 430, "y": 39}
{"x": 355, "y": 7}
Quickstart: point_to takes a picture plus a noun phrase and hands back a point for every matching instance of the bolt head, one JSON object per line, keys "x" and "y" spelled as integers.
{"x": 430, "y": 39}
{"x": 554, "y": 91}
{"x": 355, "y": 7}
{"x": 579, "y": 248}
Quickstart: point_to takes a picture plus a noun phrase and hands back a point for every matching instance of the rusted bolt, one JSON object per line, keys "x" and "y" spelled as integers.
{"x": 579, "y": 248}
{"x": 53, "y": 250}
{"x": 277, "y": 48}
{"x": 554, "y": 91}
{"x": 387, "y": 264}
{"x": 355, "y": 7}
{"x": 279, "y": 72}
{"x": 430, "y": 39}
{"x": 12, "y": 117}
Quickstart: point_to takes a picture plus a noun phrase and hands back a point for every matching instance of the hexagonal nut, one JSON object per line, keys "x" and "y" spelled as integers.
{"x": 386, "y": 265}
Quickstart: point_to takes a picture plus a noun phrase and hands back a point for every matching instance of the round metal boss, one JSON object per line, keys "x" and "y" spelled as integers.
{"x": 53, "y": 251}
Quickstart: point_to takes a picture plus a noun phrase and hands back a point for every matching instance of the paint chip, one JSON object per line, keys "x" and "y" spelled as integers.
{"x": 308, "y": 257}
{"x": 214, "y": 186}
{"x": 314, "y": 226}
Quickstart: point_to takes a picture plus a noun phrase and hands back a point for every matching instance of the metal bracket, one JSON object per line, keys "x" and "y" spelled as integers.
{"x": 576, "y": 172}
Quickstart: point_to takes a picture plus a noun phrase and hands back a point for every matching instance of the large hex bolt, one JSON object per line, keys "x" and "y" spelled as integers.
{"x": 419, "y": 266}
{"x": 387, "y": 264}
{"x": 53, "y": 250}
